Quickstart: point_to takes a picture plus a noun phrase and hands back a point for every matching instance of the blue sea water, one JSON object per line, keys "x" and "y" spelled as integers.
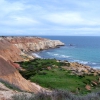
{"x": 84, "y": 49}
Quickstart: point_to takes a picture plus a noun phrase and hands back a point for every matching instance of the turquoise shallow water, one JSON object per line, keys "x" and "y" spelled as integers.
{"x": 84, "y": 49}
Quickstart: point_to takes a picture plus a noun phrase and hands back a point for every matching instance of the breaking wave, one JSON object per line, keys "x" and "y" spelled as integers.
{"x": 36, "y": 55}
{"x": 82, "y": 62}
{"x": 57, "y": 55}
{"x": 69, "y": 58}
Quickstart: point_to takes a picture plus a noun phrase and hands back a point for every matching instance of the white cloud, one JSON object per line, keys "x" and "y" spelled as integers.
{"x": 71, "y": 18}
{"x": 64, "y": 18}
{"x": 24, "y": 20}
{"x": 15, "y": 14}
{"x": 22, "y": 16}
{"x": 20, "y": 21}
{"x": 7, "y": 7}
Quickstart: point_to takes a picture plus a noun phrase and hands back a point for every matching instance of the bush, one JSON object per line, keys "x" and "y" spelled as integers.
{"x": 9, "y": 85}
{"x": 42, "y": 73}
{"x": 23, "y": 96}
{"x": 35, "y": 66}
{"x": 57, "y": 95}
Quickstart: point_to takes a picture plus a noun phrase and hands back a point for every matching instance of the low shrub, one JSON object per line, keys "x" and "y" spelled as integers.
{"x": 57, "y": 95}
{"x": 9, "y": 85}
{"x": 23, "y": 96}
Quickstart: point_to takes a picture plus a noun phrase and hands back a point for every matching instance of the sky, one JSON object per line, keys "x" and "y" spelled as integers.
{"x": 50, "y": 17}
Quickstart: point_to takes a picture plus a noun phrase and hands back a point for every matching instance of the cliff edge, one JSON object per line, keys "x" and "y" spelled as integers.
{"x": 12, "y": 49}
{"x": 9, "y": 74}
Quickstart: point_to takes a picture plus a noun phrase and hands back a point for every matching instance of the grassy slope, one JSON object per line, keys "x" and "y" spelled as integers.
{"x": 56, "y": 77}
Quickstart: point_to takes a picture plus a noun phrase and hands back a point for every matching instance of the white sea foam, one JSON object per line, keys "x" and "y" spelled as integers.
{"x": 64, "y": 56}
{"x": 61, "y": 56}
{"x": 71, "y": 59}
{"x": 94, "y": 63}
{"x": 48, "y": 53}
{"x": 36, "y": 55}
{"x": 51, "y": 54}
{"x": 82, "y": 62}
{"x": 96, "y": 67}
{"x": 56, "y": 54}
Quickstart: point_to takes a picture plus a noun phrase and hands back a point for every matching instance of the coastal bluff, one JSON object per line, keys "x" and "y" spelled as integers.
{"x": 16, "y": 64}
{"x": 14, "y": 48}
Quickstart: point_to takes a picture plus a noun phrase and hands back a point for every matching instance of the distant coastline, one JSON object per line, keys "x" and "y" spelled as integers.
{"x": 18, "y": 66}
{"x": 85, "y": 50}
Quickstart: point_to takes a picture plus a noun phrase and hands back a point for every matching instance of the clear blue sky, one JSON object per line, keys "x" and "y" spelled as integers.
{"x": 50, "y": 17}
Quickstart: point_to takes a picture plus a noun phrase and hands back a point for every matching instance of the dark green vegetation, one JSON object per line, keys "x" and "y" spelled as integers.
{"x": 36, "y": 66}
{"x": 50, "y": 74}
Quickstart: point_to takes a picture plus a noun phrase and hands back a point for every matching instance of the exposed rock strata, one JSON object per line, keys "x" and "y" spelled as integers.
{"x": 9, "y": 51}
{"x": 14, "y": 48}
{"x": 33, "y": 43}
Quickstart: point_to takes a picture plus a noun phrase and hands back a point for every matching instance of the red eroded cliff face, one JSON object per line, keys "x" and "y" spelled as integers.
{"x": 13, "y": 47}
{"x": 26, "y": 43}
{"x": 9, "y": 74}
{"x": 9, "y": 51}
{"x": 33, "y": 43}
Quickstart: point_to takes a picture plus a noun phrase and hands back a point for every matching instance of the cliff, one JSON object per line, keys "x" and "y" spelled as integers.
{"x": 9, "y": 51}
{"x": 14, "y": 48}
{"x": 33, "y": 43}
{"x": 9, "y": 74}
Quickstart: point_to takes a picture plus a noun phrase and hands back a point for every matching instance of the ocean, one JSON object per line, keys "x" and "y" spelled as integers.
{"x": 82, "y": 49}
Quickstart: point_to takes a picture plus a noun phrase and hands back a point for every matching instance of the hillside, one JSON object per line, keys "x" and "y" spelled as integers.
{"x": 13, "y": 49}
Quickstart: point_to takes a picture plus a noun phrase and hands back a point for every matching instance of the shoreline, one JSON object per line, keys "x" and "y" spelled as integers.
{"x": 36, "y": 55}
{"x": 76, "y": 69}
{"x": 76, "y": 65}
{"x": 52, "y": 70}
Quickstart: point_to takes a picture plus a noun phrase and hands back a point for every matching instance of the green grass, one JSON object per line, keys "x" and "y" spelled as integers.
{"x": 57, "y": 77}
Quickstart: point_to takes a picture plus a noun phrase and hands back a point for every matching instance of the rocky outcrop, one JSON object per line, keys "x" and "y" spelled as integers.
{"x": 14, "y": 48}
{"x": 9, "y": 51}
{"x": 33, "y": 43}
{"x": 9, "y": 74}
{"x": 80, "y": 69}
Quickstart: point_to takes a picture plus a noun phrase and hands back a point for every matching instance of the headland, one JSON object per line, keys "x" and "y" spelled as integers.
{"x": 20, "y": 69}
